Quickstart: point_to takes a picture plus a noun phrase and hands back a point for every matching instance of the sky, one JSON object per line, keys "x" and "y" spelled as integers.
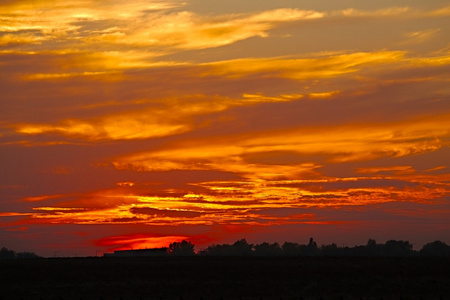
{"x": 134, "y": 124}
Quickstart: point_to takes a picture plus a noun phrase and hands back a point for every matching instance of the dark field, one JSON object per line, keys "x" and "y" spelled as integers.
{"x": 227, "y": 278}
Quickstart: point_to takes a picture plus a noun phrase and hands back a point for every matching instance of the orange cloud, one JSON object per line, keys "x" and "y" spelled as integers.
{"x": 394, "y": 169}
{"x": 440, "y": 12}
{"x": 352, "y": 142}
{"x": 41, "y": 198}
{"x": 303, "y": 68}
{"x": 158, "y": 120}
{"x": 186, "y": 30}
{"x": 138, "y": 241}
{"x": 133, "y": 125}
{"x": 13, "y": 39}
{"x": 13, "y": 214}
{"x": 422, "y": 36}
{"x": 387, "y": 12}
{"x": 153, "y": 24}
{"x": 246, "y": 201}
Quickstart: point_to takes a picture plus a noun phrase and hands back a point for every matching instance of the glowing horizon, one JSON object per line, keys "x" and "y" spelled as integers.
{"x": 138, "y": 124}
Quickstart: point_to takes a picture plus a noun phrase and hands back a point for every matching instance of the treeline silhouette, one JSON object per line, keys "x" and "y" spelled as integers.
{"x": 6, "y": 253}
{"x": 241, "y": 247}
{"x": 392, "y": 248}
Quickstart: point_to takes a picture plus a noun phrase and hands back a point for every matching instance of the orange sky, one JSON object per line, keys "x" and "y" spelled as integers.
{"x": 134, "y": 124}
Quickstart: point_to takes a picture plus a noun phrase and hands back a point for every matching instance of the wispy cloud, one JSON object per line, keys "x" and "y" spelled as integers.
{"x": 154, "y": 24}
{"x": 245, "y": 201}
{"x": 307, "y": 68}
{"x": 352, "y": 142}
{"x": 422, "y": 36}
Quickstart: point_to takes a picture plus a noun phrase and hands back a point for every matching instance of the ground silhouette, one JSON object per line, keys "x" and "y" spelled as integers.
{"x": 267, "y": 271}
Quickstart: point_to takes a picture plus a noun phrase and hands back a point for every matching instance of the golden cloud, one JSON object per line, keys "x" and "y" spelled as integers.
{"x": 24, "y": 38}
{"x": 441, "y": 12}
{"x": 186, "y": 30}
{"x": 77, "y": 24}
{"x": 133, "y": 125}
{"x": 393, "y": 169}
{"x": 250, "y": 201}
{"x": 422, "y": 35}
{"x": 303, "y": 68}
{"x": 353, "y": 142}
{"x": 158, "y": 119}
{"x": 387, "y": 12}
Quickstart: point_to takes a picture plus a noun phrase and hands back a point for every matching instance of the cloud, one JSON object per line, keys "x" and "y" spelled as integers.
{"x": 159, "y": 119}
{"x": 17, "y": 39}
{"x": 187, "y": 30}
{"x": 41, "y": 198}
{"x": 119, "y": 127}
{"x": 351, "y": 142}
{"x": 59, "y": 17}
{"x": 155, "y": 118}
{"x": 137, "y": 24}
{"x": 246, "y": 201}
{"x": 138, "y": 241}
{"x": 440, "y": 12}
{"x": 387, "y": 12}
{"x": 421, "y": 36}
{"x": 165, "y": 212}
{"x": 13, "y": 214}
{"x": 304, "y": 68}
{"x": 393, "y": 169}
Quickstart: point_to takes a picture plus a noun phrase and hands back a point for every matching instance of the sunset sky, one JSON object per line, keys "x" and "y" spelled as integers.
{"x": 133, "y": 124}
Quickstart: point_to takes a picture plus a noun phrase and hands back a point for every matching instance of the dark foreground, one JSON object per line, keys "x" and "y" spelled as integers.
{"x": 227, "y": 278}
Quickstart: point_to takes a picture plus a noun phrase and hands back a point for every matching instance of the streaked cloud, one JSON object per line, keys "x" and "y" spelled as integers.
{"x": 394, "y": 169}
{"x": 154, "y": 24}
{"x": 185, "y": 30}
{"x": 422, "y": 36}
{"x": 308, "y": 68}
{"x": 387, "y": 12}
{"x": 351, "y": 142}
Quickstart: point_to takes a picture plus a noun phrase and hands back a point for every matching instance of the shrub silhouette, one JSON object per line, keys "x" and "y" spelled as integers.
{"x": 5, "y": 253}
{"x": 436, "y": 248}
{"x": 239, "y": 248}
{"x": 183, "y": 248}
{"x": 266, "y": 249}
{"x": 290, "y": 249}
{"x": 398, "y": 248}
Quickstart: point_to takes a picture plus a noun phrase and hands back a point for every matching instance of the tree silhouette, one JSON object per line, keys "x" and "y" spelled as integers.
{"x": 5, "y": 253}
{"x": 26, "y": 255}
{"x": 266, "y": 249}
{"x": 397, "y": 248}
{"x": 242, "y": 248}
{"x": 239, "y": 248}
{"x": 372, "y": 248}
{"x": 329, "y": 250}
{"x": 436, "y": 248}
{"x": 290, "y": 249}
{"x": 183, "y": 248}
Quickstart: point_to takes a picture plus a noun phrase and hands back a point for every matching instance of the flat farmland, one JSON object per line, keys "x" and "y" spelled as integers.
{"x": 174, "y": 278}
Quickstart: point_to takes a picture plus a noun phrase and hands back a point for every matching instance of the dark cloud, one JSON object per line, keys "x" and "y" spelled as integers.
{"x": 165, "y": 212}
